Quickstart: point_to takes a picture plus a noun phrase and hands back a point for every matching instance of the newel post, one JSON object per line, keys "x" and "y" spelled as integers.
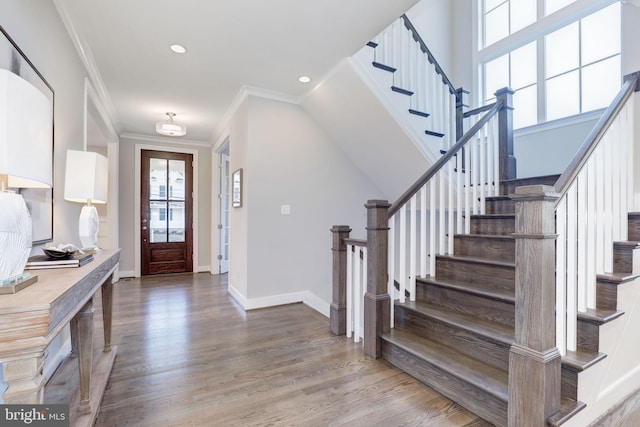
{"x": 462, "y": 102}
{"x": 534, "y": 360}
{"x": 377, "y": 304}
{"x": 506, "y": 160}
{"x": 338, "y": 312}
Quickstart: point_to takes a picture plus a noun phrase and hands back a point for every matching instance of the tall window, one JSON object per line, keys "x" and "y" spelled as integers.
{"x": 560, "y": 59}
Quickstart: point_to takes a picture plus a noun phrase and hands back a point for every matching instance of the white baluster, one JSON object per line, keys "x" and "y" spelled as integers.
{"x": 483, "y": 167}
{"x": 357, "y": 294}
{"x": 592, "y": 217}
{"x": 391, "y": 288}
{"x": 608, "y": 204}
{"x": 561, "y": 276}
{"x": 467, "y": 189}
{"x": 403, "y": 253}
{"x": 349, "y": 290}
{"x": 496, "y": 156}
{"x": 413, "y": 234}
{"x": 423, "y": 232}
{"x": 432, "y": 227}
{"x": 363, "y": 289}
{"x": 451, "y": 209}
{"x": 600, "y": 208}
{"x": 581, "y": 238}
{"x": 442, "y": 206}
{"x": 572, "y": 308}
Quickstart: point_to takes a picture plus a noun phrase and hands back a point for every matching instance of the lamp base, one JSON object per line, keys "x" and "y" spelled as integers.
{"x": 88, "y": 226}
{"x": 17, "y": 283}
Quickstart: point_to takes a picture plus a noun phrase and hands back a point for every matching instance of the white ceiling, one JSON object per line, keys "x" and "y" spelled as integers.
{"x": 231, "y": 43}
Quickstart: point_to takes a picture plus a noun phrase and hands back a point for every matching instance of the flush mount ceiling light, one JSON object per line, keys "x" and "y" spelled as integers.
{"x": 177, "y": 48}
{"x": 304, "y": 79}
{"x": 171, "y": 128}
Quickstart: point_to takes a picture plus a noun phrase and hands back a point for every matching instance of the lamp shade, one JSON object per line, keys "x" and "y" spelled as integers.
{"x": 85, "y": 177}
{"x": 26, "y": 122}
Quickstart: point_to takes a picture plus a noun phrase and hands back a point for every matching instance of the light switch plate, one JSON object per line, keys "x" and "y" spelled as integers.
{"x": 285, "y": 209}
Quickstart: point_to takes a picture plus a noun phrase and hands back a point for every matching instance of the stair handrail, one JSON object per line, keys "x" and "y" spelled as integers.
{"x": 631, "y": 84}
{"x": 432, "y": 59}
{"x": 442, "y": 161}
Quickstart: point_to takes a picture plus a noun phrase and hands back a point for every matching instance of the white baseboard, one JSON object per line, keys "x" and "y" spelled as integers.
{"x": 54, "y": 360}
{"x": 203, "y": 269}
{"x": 307, "y": 297}
{"x": 124, "y": 274}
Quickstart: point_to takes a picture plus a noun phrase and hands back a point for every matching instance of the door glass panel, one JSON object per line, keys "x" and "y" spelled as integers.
{"x": 158, "y": 179}
{"x": 158, "y": 223}
{"x": 176, "y": 221}
{"x": 176, "y": 180}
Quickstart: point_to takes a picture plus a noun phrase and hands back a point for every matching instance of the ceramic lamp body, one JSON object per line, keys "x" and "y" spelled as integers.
{"x": 88, "y": 226}
{"x": 15, "y": 234}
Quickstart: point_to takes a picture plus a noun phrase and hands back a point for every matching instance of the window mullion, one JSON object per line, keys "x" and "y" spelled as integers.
{"x": 541, "y": 78}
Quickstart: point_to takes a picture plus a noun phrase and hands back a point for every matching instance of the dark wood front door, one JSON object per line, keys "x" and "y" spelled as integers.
{"x": 166, "y": 213}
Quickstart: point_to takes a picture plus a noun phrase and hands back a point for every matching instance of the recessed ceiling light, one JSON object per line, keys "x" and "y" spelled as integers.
{"x": 178, "y": 48}
{"x": 304, "y": 79}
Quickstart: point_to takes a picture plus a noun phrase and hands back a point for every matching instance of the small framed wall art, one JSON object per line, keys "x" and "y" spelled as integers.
{"x": 236, "y": 189}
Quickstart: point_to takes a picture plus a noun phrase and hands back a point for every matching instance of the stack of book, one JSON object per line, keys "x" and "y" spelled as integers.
{"x": 38, "y": 262}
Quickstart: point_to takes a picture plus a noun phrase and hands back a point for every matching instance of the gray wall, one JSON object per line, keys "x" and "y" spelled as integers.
{"x": 288, "y": 160}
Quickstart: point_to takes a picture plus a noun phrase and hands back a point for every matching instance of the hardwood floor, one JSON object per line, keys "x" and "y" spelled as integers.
{"x": 188, "y": 355}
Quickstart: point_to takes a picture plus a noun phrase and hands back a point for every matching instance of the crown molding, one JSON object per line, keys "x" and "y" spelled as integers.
{"x": 164, "y": 139}
{"x": 245, "y": 91}
{"x": 89, "y": 63}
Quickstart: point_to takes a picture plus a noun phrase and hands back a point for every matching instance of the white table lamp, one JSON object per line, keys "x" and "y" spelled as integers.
{"x": 86, "y": 182}
{"x": 26, "y": 124}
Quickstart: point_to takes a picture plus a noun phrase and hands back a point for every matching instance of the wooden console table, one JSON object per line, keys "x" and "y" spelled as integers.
{"x": 34, "y": 316}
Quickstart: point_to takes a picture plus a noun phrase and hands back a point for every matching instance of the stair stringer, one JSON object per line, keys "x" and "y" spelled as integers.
{"x": 608, "y": 383}
{"x": 362, "y": 126}
{"x": 380, "y": 83}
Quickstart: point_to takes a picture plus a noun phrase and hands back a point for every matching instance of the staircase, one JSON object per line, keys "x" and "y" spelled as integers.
{"x": 456, "y": 336}
{"x": 445, "y": 299}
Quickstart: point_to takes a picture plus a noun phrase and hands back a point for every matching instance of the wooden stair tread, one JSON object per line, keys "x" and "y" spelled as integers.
{"x": 495, "y": 216}
{"x": 494, "y": 294}
{"x": 617, "y": 278}
{"x": 485, "y": 236}
{"x": 568, "y": 409}
{"x": 478, "y": 260}
{"x": 383, "y": 67}
{"x": 599, "y": 316}
{"x": 471, "y": 323}
{"x": 578, "y": 361}
{"x": 627, "y": 243}
{"x": 487, "y": 378}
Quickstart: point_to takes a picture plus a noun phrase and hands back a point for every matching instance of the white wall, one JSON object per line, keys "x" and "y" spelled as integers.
{"x": 288, "y": 160}
{"x": 532, "y": 148}
{"x": 37, "y": 29}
